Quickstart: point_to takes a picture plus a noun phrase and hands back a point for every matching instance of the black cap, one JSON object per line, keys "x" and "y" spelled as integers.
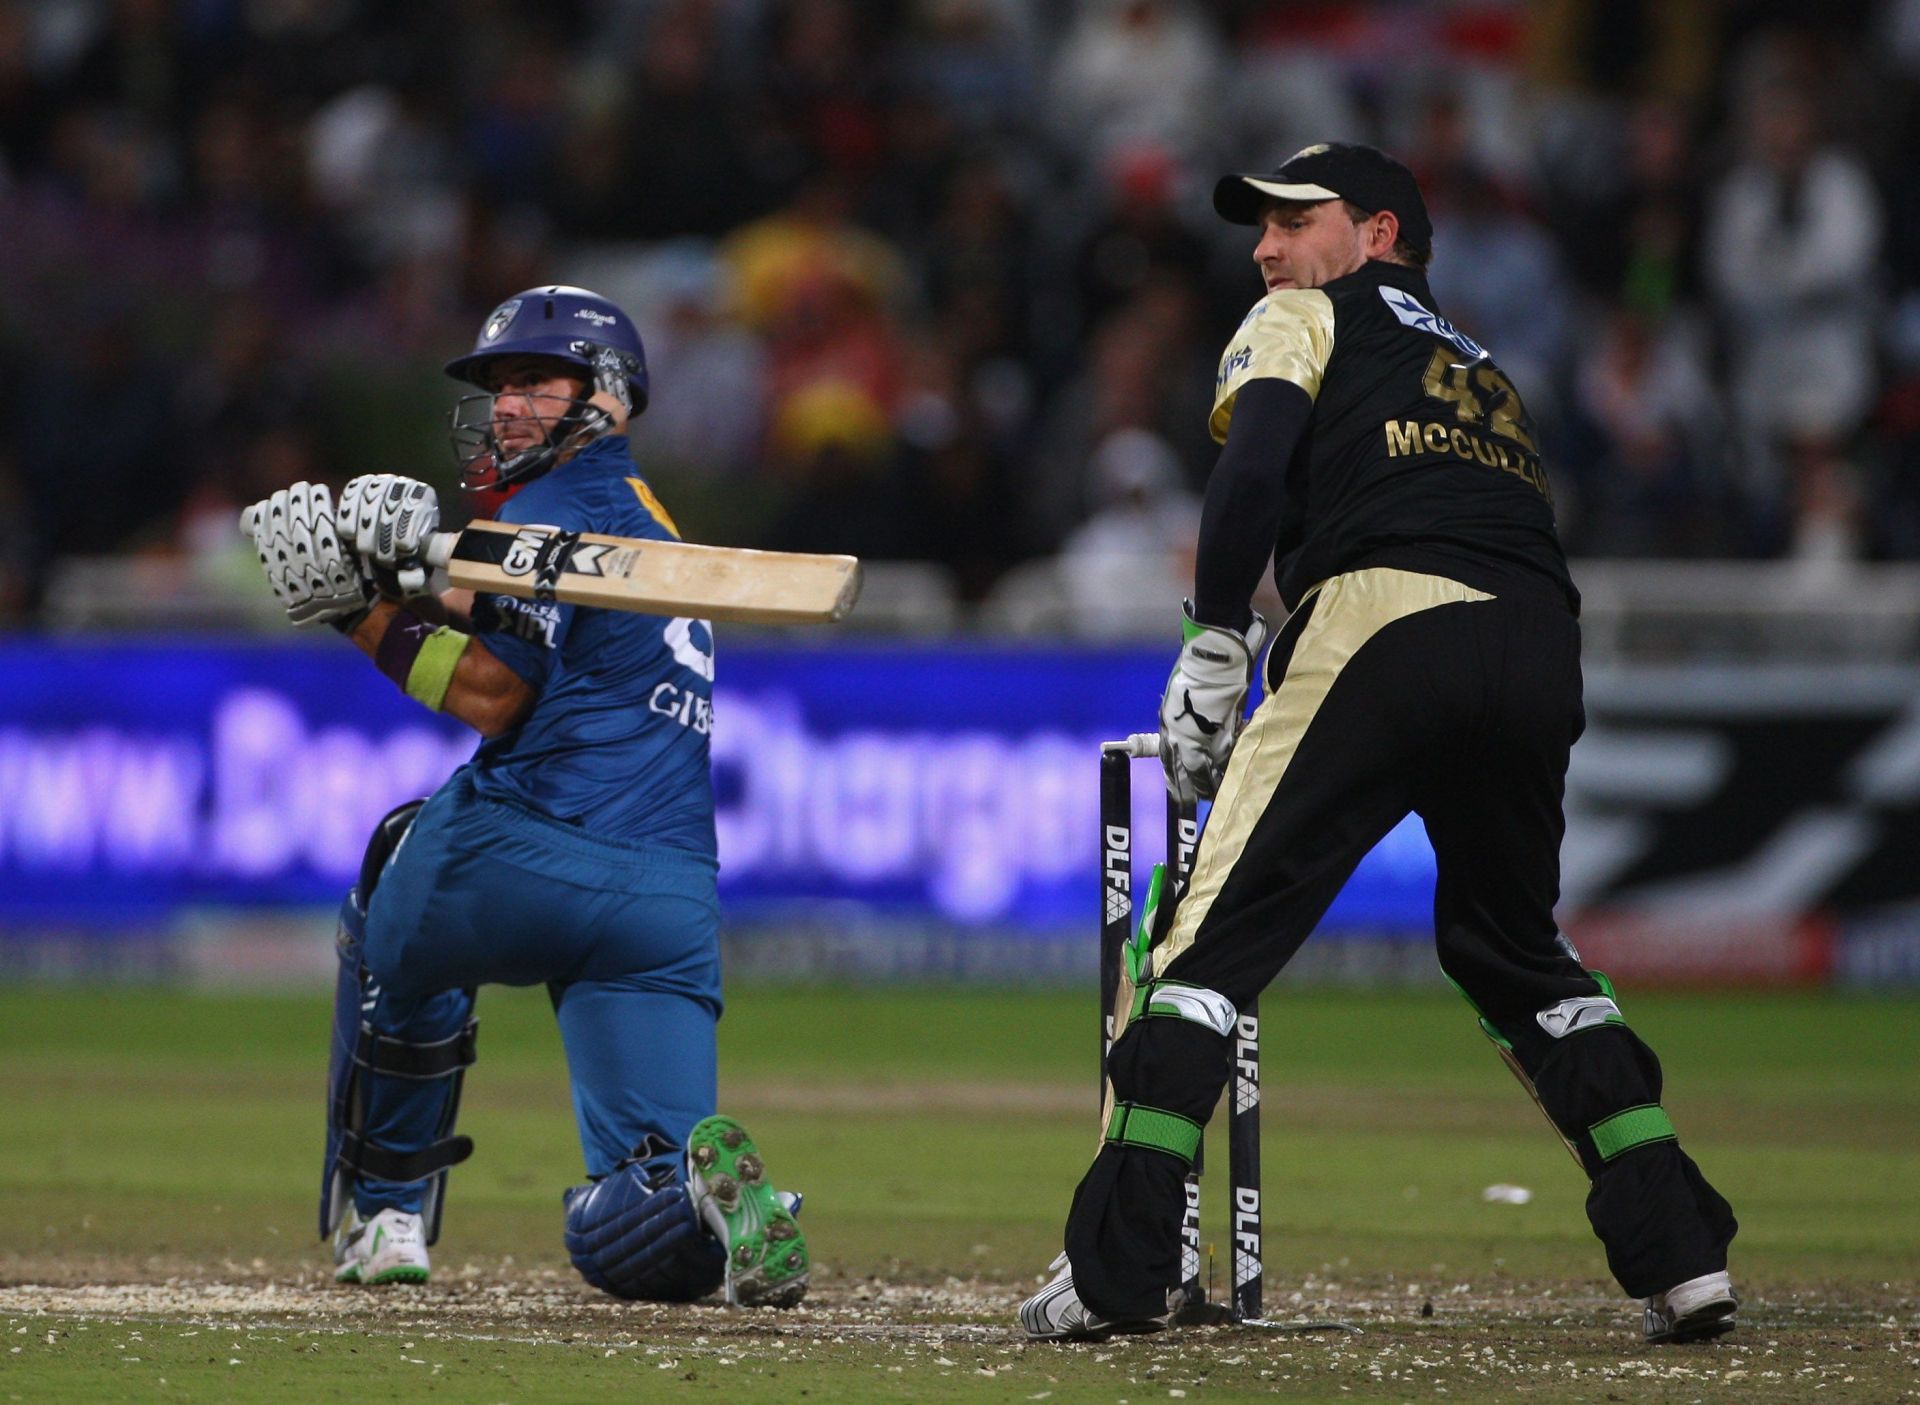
{"x": 1364, "y": 176}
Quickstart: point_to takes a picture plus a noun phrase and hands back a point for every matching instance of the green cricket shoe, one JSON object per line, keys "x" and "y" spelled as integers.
{"x": 767, "y": 1260}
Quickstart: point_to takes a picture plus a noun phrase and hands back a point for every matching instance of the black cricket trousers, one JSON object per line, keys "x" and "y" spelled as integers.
{"x": 1389, "y": 691}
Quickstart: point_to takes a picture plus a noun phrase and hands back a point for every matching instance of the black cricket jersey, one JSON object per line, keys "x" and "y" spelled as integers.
{"x": 1418, "y": 454}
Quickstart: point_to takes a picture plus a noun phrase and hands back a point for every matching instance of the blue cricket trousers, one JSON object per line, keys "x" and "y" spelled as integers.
{"x": 625, "y": 938}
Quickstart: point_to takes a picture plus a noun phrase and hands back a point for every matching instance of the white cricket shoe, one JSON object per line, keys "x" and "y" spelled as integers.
{"x": 1056, "y": 1314}
{"x": 389, "y": 1248}
{"x": 1693, "y": 1311}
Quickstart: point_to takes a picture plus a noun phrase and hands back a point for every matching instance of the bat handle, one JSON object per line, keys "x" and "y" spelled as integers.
{"x": 440, "y": 549}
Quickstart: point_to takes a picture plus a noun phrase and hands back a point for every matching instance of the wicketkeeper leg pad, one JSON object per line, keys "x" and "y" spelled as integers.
{"x": 1660, "y": 1220}
{"x": 1123, "y": 1232}
{"x": 393, "y": 1077}
{"x": 636, "y": 1235}
{"x": 1182, "y": 1000}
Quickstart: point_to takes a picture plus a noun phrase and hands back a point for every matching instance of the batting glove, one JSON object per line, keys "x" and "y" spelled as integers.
{"x": 299, "y": 546}
{"x": 1200, "y": 712}
{"x": 387, "y": 521}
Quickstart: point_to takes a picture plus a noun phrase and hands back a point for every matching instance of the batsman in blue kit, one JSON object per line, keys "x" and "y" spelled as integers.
{"x": 575, "y": 850}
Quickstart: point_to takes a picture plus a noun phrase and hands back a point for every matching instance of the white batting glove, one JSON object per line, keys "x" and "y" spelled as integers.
{"x": 387, "y": 520}
{"x": 310, "y": 571}
{"x": 1200, "y": 712}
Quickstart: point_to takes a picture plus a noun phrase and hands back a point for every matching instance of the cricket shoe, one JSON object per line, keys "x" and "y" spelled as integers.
{"x": 389, "y": 1248}
{"x": 1694, "y": 1311}
{"x": 1056, "y": 1314}
{"x": 767, "y": 1261}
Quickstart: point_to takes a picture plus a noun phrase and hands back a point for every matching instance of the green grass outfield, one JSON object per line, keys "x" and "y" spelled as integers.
{"x": 159, "y": 1156}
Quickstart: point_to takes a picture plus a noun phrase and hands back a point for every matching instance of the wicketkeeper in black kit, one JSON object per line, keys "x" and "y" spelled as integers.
{"x": 1430, "y": 662}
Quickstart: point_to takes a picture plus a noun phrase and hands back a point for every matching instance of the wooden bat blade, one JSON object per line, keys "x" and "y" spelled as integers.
{"x": 649, "y": 577}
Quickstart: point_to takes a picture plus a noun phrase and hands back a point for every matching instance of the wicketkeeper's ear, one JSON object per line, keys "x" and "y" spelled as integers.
{"x": 1383, "y": 234}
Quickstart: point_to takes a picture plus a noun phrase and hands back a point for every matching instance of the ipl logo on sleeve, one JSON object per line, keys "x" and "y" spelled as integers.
{"x": 1231, "y": 365}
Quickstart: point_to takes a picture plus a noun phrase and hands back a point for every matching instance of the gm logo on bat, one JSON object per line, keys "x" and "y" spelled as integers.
{"x": 547, "y": 551}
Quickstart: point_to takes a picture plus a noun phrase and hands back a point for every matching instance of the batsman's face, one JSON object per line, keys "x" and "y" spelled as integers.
{"x": 1306, "y": 245}
{"x": 530, "y": 395}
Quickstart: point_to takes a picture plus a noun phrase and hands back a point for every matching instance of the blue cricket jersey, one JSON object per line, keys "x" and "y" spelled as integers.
{"x": 617, "y": 741}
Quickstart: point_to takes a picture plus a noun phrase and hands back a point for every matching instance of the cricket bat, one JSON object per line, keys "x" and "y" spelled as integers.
{"x": 648, "y": 577}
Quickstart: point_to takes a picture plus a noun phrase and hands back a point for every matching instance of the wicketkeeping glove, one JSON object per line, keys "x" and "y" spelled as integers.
{"x": 310, "y": 571}
{"x": 1200, "y": 711}
{"x": 387, "y": 521}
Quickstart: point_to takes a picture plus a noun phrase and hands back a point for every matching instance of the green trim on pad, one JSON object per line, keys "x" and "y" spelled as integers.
{"x": 1154, "y": 1128}
{"x": 1486, "y": 1025}
{"x": 432, "y": 671}
{"x": 1155, "y": 987}
{"x": 1143, "y": 994}
{"x": 1635, "y": 1127}
{"x": 1141, "y": 942}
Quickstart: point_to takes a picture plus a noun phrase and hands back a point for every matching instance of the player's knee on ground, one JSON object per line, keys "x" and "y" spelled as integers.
{"x": 636, "y": 1237}
{"x": 1660, "y": 1220}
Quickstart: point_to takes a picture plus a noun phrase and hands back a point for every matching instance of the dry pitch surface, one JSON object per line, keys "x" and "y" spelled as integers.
{"x": 505, "y": 1334}
{"x": 937, "y": 1140}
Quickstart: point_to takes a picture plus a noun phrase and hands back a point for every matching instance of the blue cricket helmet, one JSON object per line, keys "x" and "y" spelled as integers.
{"x": 566, "y": 323}
{"x": 571, "y": 325}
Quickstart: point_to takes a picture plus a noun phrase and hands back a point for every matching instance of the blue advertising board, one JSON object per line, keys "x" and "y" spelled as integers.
{"x": 951, "y": 783}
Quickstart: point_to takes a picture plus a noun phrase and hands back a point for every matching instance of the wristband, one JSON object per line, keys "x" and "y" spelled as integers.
{"x": 420, "y": 657}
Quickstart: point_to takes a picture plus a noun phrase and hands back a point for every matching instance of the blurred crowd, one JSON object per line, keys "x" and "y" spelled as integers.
{"x": 939, "y": 280}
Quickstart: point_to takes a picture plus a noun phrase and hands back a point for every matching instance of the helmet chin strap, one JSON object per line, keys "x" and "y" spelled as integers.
{"x": 525, "y": 465}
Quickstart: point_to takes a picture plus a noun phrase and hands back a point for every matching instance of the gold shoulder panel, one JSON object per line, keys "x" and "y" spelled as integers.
{"x": 1287, "y": 336}
{"x": 652, "y": 504}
